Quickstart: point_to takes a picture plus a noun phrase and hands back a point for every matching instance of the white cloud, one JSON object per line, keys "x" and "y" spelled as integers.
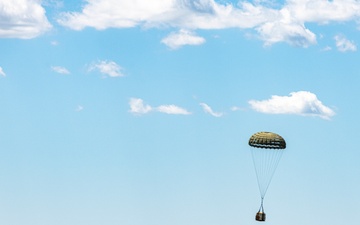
{"x": 273, "y": 22}
{"x": 172, "y": 109}
{"x": 22, "y": 19}
{"x": 299, "y": 103}
{"x": 2, "y": 73}
{"x": 137, "y": 106}
{"x": 108, "y": 68}
{"x": 183, "y": 14}
{"x": 117, "y": 13}
{"x": 293, "y": 33}
{"x": 208, "y": 109}
{"x": 60, "y": 69}
{"x": 183, "y": 37}
{"x": 323, "y": 11}
{"x": 343, "y": 44}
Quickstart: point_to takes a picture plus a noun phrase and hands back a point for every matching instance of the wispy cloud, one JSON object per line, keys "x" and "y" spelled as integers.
{"x": 2, "y": 73}
{"x": 299, "y": 103}
{"x": 209, "y": 110}
{"x": 343, "y": 44}
{"x": 79, "y": 108}
{"x": 137, "y": 106}
{"x": 53, "y": 3}
{"x": 237, "y": 108}
{"x": 172, "y": 109}
{"x": 183, "y": 37}
{"x": 60, "y": 69}
{"x": 22, "y": 19}
{"x": 273, "y": 23}
{"x": 54, "y": 43}
{"x": 107, "y": 68}
{"x": 326, "y": 49}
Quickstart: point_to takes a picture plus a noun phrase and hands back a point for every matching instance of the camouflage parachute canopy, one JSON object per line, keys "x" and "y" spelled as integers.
{"x": 267, "y": 140}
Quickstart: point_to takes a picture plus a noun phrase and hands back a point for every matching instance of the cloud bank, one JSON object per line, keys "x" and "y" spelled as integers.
{"x": 22, "y": 19}
{"x": 302, "y": 103}
{"x": 273, "y": 24}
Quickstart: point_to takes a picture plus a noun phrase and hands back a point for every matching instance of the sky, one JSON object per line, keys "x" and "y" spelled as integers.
{"x": 139, "y": 112}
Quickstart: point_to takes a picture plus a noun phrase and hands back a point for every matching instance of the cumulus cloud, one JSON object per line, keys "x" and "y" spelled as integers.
{"x": 60, "y": 69}
{"x": 22, "y": 19}
{"x": 107, "y": 68}
{"x": 2, "y": 73}
{"x": 343, "y": 44}
{"x": 273, "y": 22}
{"x": 323, "y": 11}
{"x": 183, "y": 37}
{"x": 209, "y": 110}
{"x": 137, "y": 106}
{"x": 187, "y": 14}
{"x": 299, "y": 103}
{"x": 293, "y": 33}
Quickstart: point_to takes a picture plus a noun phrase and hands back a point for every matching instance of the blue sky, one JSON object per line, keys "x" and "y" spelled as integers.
{"x": 139, "y": 112}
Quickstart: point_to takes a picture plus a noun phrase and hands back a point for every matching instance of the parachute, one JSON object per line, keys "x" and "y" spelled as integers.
{"x": 266, "y": 149}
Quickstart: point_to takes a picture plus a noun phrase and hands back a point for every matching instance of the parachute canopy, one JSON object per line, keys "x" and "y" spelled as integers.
{"x": 267, "y": 140}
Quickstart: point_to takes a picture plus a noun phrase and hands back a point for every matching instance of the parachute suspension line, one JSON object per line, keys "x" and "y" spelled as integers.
{"x": 261, "y": 209}
{"x": 265, "y": 163}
